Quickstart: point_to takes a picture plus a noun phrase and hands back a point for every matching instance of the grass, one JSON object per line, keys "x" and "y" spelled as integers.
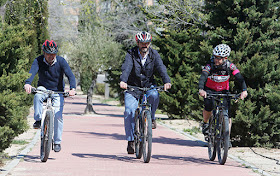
{"x": 19, "y": 142}
{"x": 3, "y": 158}
{"x": 193, "y": 130}
{"x": 241, "y": 151}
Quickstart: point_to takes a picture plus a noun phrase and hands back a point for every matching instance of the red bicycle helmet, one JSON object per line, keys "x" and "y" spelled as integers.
{"x": 50, "y": 47}
{"x": 143, "y": 37}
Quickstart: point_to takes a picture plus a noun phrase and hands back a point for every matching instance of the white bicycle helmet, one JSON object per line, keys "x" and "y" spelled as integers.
{"x": 222, "y": 50}
{"x": 143, "y": 37}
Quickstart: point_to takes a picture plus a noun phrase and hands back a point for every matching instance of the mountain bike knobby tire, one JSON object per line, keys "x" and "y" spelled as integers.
{"x": 137, "y": 135}
{"x": 211, "y": 138}
{"x": 147, "y": 135}
{"x": 47, "y": 134}
{"x": 223, "y": 143}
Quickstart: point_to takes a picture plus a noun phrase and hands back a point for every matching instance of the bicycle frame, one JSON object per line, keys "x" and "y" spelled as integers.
{"x": 144, "y": 103}
{"x": 47, "y": 123}
{"x": 143, "y": 125}
{"x": 218, "y": 136}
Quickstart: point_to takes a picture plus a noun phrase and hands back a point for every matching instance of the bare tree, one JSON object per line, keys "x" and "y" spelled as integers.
{"x": 176, "y": 13}
{"x": 92, "y": 52}
{"x": 124, "y": 18}
{"x": 63, "y": 19}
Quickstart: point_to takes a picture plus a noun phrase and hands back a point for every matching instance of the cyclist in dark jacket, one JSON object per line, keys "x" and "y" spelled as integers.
{"x": 215, "y": 78}
{"x": 141, "y": 62}
{"x": 51, "y": 69}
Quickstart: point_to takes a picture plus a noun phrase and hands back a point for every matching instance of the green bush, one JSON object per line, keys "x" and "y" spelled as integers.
{"x": 100, "y": 90}
{"x": 21, "y": 34}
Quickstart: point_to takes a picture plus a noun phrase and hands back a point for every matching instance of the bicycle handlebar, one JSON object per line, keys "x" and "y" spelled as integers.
{"x": 144, "y": 89}
{"x": 232, "y": 96}
{"x": 34, "y": 91}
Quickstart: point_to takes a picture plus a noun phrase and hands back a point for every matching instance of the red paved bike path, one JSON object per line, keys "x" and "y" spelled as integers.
{"x": 95, "y": 145}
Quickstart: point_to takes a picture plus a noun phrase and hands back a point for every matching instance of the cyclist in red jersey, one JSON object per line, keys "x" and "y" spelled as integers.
{"x": 215, "y": 78}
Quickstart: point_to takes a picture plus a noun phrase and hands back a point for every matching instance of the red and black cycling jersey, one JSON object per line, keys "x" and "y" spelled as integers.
{"x": 216, "y": 77}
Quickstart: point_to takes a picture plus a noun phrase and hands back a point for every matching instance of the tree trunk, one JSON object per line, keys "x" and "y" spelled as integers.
{"x": 89, "y": 108}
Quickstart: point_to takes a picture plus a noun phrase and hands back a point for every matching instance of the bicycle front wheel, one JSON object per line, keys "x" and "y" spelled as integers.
{"x": 211, "y": 139}
{"x": 137, "y": 135}
{"x": 46, "y": 137}
{"x": 223, "y": 143}
{"x": 147, "y": 135}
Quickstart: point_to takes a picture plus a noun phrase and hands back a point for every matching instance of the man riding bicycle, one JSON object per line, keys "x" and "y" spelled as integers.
{"x": 138, "y": 70}
{"x": 215, "y": 78}
{"x": 51, "y": 69}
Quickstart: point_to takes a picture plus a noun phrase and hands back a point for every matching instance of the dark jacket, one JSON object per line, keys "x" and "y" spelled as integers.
{"x": 134, "y": 74}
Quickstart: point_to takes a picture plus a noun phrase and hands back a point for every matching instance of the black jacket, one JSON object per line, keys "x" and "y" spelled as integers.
{"x": 134, "y": 74}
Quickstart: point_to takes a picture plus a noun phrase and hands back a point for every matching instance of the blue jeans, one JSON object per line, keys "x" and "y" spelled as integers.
{"x": 131, "y": 104}
{"x": 57, "y": 102}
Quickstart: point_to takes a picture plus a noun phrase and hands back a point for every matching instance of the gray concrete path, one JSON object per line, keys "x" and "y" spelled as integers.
{"x": 95, "y": 145}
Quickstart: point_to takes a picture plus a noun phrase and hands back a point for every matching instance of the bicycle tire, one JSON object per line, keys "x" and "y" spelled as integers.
{"x": 223, "y": 142}
{"x": 137, "y": 135}
{"x": 147, "y": 135}
{"x": 211, "y": 139}
{"x": 47, "y": 134}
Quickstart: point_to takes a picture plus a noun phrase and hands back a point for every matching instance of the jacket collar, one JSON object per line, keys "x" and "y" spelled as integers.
{"x": 138, "y": 59}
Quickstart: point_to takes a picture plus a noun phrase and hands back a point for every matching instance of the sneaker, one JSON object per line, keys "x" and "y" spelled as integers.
{"x": 37, "y": 124}
{"x": 130, "y": 147}
{"x": 154, "y": 124}
{"x": 57, "y": 147}
{"x": 205, "y": 127}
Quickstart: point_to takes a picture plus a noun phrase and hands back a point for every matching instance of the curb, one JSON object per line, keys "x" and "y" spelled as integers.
{"x": 202, "y": 143}
{"x": 8, "y": 167}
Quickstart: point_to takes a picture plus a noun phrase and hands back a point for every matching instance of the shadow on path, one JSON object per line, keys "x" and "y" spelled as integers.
{"x": 161, "y": 139}
{"x": 156, "y": 159}
{"x": 112, "y": 135}
{"x": 111, "y": 157}
{"x": 34, "y": 159}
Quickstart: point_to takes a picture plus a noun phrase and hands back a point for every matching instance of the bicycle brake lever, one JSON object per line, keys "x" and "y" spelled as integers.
{"x": 33, "y": 90}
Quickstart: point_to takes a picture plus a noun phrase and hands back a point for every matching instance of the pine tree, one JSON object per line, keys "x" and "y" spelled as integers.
{"x": 14, "y": 103}
{"x": 179, "y": 53}
{"x": 22, "y": 29}
{"x": 251, "y": 28}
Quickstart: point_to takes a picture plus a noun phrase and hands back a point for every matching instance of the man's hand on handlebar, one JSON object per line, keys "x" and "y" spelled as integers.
{"x": 72, "y": 92}
{"x": 243, "y": 95}
{"x": 167, "y": 86}
{"x": 202, "y": 93}
{"x": 123, "y": 85}
{"x": 28, "y": 88}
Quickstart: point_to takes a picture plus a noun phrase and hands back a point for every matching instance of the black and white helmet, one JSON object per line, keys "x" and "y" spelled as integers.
{"x": 222, "y": 50}
{"x": 143, "y": 37}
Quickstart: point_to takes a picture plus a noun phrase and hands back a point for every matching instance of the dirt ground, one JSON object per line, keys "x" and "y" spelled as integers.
{"x": 256, "y": 157}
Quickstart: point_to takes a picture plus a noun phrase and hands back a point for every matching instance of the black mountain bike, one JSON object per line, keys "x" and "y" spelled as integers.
{"x": 47, "y": 126}
{"x": 143, "y": 124}
{"x": 218, "y": 133}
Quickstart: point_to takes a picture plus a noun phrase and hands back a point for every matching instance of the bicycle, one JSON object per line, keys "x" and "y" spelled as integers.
{"x": 47, "y": 121}
{"x": 143, "y": 124}
{"x": 218, "y": 134}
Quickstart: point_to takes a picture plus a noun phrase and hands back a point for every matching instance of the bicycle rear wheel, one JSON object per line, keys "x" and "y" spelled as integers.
{"x": 147, "y": 135}
{"x": 223, "y": 142}
{"x": 137, "y": 135}
{"x": 46, "y": 136}
{"x": 211, "y": 138}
